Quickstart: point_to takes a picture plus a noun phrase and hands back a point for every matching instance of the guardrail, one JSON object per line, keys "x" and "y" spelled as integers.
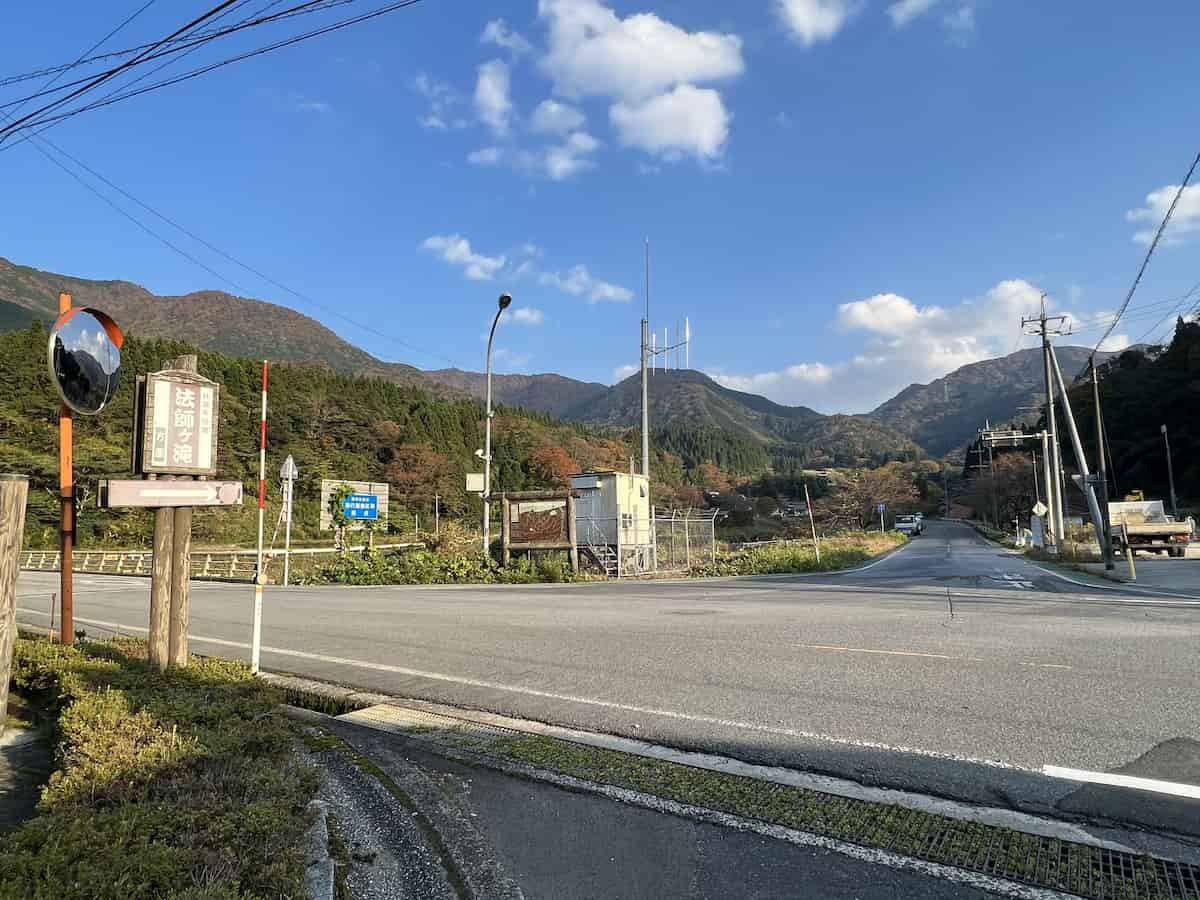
{"x": 225, "y": 565}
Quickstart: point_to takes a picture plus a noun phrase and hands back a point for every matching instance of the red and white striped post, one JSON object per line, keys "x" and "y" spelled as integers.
{"x": 260, "y": 575}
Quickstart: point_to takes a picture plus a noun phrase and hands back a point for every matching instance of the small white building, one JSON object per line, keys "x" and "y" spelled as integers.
{"x": 614, "y": 522}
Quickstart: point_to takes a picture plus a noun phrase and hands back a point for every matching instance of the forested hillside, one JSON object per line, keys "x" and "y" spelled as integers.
{"x": 1142, "y": 390}
{"x": 334, "y": 425}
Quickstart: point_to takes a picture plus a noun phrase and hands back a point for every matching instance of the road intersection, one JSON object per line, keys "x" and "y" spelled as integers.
{"x": 951, "y": 667}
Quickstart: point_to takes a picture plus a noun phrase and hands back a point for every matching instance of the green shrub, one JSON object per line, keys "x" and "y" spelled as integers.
{"x": 168, "y": 784}
{"x": 839, "y": 552}
{"x": 429, "y": 567}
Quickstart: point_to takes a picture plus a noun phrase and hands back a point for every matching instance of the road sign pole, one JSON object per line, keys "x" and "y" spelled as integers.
{"x": 287, "y": 533}
{"x": 812, "y": 523}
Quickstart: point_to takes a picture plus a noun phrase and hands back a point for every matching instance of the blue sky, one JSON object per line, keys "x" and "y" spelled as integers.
{"x": 844, "y": 197}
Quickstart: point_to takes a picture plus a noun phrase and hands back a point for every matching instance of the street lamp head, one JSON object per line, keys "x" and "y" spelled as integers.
{"x": 505, "y": 300}
{"x": 1163, "y": 429}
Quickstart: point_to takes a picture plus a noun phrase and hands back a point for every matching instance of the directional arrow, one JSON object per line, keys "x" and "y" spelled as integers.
{"x": 129, "y": 492}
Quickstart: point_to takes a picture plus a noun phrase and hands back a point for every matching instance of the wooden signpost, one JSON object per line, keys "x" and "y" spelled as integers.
{"x": 175, "y": 417}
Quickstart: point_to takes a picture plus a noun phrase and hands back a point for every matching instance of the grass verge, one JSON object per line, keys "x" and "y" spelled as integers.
{"x": 840, "y": 552}
{"x": 1045, "y": 862}
{"x": 180, "y": 784}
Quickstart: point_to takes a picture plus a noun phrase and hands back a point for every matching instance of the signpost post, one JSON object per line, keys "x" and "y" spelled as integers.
{"x": 289, "y": 473}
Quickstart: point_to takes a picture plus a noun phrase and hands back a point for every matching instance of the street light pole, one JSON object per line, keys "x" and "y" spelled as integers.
{"x": 503, "y": 303}
{"x": 1170, "y": 473}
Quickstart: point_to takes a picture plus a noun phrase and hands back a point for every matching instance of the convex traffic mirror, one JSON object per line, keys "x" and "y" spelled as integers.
{"x": 85, "y": 359}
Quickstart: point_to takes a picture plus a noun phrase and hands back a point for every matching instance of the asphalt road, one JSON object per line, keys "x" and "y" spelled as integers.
{"x": 951, "y": 667}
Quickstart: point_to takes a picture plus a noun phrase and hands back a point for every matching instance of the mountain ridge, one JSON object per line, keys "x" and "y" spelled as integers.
{"x": 939, "y": 417}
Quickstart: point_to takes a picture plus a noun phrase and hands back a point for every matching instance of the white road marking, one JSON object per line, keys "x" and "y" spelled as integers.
{"x": 924, "y": 655}
{"x": 569, "y": 698}
{"x": 1175, "y": 789}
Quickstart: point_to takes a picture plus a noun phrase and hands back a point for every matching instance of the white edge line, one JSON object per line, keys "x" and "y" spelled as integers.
{"x": 1113, "y": 779}
{"x": 568, "y": 698}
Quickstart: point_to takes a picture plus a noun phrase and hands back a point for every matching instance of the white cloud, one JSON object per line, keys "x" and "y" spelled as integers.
{"x": 1184, "y": 221}
{"x": 905, "y": 344}
{"x": 579, "y": 282}
{"x": 528, "y": 315}
{"x": 456, "y": 250}
{"x": 486, "y": 156}
{"x": 570, "y": 157}
{"x": 595, "y": 53}
{"x": 492, "y": 100}
{"x": 443, "y": 101}
{"x": 305, "y": 105}
{"x": 620, "y": 373}
{"x": 905, "y": 11}
{"x": 510, "y": 359}
{"x": 556, "y": 162}
{"x": 812, "y": 21}
{"x": 685, "y": 120}
{"x": 1115, "y": 342}
{"x": 960, "y": 23}
{"x": 552, "y": 117}
{"x": 497, "y": 32}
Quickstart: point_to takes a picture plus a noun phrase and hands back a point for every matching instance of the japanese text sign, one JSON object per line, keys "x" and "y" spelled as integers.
{"x": 360, "y": 506}
{"x": 180, "y": 424}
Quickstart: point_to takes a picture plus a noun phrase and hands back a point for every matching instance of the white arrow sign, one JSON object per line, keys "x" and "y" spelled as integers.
{"x": 129, "y": 492}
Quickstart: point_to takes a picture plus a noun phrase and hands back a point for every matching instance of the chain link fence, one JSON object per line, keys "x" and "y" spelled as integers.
{"x": 684, "y": 538}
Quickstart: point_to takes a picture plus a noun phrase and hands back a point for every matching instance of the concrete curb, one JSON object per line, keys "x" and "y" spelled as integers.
{"x": 319, "y": 876}
{"x": 991, "y": 817}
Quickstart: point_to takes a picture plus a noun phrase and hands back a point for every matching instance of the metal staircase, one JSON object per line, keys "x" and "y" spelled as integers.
{"x": 604, "y": 554}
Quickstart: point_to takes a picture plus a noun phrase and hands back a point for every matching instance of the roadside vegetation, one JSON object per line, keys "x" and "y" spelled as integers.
{"x": 181, "y": 784}
{"x": 435, "y": 567}
{"x": 840, "y": 552}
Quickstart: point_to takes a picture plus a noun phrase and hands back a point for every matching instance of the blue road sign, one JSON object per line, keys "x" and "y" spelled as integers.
{"x": 881, "y": 507}
{"x": 360, "y": 506}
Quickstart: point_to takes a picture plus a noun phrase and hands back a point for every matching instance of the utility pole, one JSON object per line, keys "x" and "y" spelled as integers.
{"x": 1044, "y": 326}
{"x": 1101, "y": 473}
{"x": 992, "y": 478}
{"x": 645, "y": 382}
{"x": 437, "y": 515}
{"x": 1170, "y": 473}
{"x": 1085, "y": 479}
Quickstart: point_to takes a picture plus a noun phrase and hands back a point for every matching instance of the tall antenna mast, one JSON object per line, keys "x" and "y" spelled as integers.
{"x": 645, "y": 342}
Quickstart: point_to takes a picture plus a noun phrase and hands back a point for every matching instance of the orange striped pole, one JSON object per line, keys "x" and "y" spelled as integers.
{"x": 260, "y": 575}
{"x": 66, "y": 492}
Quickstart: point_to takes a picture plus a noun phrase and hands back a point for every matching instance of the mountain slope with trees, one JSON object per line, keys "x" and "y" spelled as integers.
{"x": 944, "y": 415}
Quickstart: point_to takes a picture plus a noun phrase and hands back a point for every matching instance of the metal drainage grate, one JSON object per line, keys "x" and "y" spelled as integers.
{"x": 402, "y": 720}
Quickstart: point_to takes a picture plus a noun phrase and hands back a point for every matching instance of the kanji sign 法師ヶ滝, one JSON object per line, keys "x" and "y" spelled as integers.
{"x": 179, "y": 425}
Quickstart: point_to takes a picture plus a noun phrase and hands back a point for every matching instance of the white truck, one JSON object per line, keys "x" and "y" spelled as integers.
{"x": 1146, "y": 526}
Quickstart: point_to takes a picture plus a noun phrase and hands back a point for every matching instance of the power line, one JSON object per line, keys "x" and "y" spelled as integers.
{"x": 187, "y": 43}
{"x": 384, "y": 10}
{"x": 215, "y": 249}
{"x": 1150, "y": 251}
{"x": 128, "y": 51}
{"x": 113, "y": 72}
{"x": 141, "y": 9}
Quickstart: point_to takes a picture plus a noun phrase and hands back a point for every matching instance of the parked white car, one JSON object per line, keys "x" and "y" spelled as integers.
{"x": 910, "y": 525}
